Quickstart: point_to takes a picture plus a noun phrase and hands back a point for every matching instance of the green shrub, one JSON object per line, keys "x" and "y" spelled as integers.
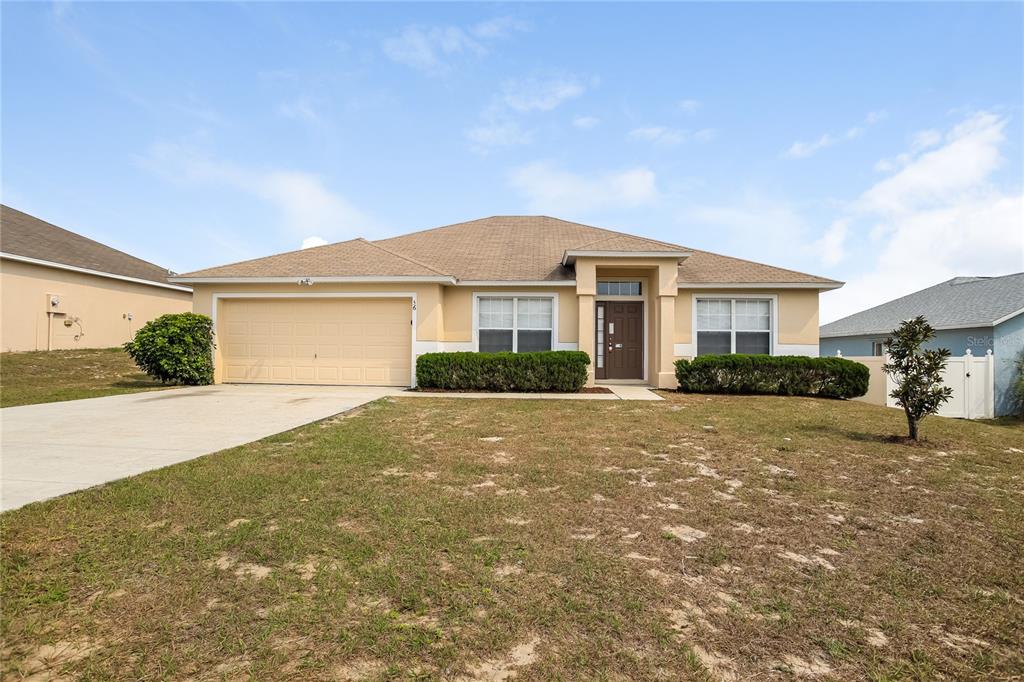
{"x": 559, "y": 371}
{"x": 773, "y": 375}
{"x": 175, "y": 348}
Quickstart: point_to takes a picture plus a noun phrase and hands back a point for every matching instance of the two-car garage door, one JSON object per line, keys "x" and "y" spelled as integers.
{"x": 344, "y": 341}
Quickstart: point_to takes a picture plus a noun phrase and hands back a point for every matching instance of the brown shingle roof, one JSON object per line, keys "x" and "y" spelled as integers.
{"x": 499, "y": 248}
{"x": 29, "y": 237}
{"x": 354, "y": 258}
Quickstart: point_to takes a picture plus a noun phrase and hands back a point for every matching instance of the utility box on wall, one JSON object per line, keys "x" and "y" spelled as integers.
{"x": 54, "y": 303}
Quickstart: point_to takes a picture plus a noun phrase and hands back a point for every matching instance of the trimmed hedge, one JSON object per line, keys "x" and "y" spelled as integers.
{"x": 563, "y": 371}
{"x": 773, "y": 375}
{"x": 175, "y": 348}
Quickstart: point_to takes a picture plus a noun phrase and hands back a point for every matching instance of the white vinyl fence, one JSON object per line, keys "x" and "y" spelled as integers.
{"x": 971, "y": 378}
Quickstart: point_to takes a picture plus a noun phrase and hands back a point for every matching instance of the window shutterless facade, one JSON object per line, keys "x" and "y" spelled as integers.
{"x": 519, "y": 324}
{"x": 736, "y": 325}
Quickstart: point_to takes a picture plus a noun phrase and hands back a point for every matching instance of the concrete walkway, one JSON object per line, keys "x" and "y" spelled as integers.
{"x": 58, "y": 448}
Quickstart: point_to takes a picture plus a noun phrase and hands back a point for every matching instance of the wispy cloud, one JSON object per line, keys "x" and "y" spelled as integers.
{"x": 549, "y": 189}
{"x": 541, "y": 94}
{"x": 806, "y": 149}
{"x": 303, "y": 202}
{"x": 314, "y": 240}
{"x": 690, "y": 106}
{"x": 670, "y": 137}
{"x": 586, "y": 122}
{"x": 431, "y": 49}
{"x": 300, "y": 109}
{"x": 500, "y": 123}
{"x": 495, "y": 134}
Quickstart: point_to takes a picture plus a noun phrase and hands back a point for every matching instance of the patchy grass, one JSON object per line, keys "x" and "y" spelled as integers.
{"x": 52, "y": 376}
{"x": 700, "y": 537}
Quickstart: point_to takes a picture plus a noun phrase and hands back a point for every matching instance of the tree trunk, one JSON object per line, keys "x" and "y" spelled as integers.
{"x": 912, "y": 423}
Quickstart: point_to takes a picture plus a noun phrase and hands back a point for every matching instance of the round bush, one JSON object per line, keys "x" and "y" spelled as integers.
{"x": 175, "y": 348}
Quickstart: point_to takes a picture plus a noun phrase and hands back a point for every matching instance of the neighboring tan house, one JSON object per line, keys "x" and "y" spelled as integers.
{"x": 61, "y": 290}
{"x": 359, "y": 312}
{"x": 976, "y": 314}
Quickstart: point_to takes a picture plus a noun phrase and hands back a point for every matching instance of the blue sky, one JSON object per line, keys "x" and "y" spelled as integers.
{"x": 878, "y": 144}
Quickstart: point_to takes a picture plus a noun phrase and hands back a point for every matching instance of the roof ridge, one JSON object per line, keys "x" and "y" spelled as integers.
{"x": 763, "y": 265}
{"x": 631, "y": 236}
{"x": 405, "y": 258}
{"x": 273, "y": 255}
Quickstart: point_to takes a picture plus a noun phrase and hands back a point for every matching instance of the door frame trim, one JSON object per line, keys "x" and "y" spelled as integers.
{"x": 216, "y": 298}
{"x": 643, "y": 320}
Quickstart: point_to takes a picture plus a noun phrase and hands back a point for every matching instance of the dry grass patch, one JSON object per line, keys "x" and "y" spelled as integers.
{"x": 52, "y": 376}
{"x": 609, "y": 540}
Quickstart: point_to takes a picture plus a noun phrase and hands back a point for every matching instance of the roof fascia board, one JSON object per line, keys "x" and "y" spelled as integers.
{"x": 761, "y": 285}
{"x": 96, "y": 273}
{"x": 314, "y": 279}
{"x": 1004, "y": 318}
{"x": 942, "y": 327}
{"x": 570, "y": 256}
{"x": 516, "y": 283}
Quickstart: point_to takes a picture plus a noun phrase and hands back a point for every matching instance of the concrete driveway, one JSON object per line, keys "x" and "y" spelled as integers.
{"x": 57, "y": 448}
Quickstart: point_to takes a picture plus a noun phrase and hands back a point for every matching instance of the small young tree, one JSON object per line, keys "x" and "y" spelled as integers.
{"x": 918, "y": 373}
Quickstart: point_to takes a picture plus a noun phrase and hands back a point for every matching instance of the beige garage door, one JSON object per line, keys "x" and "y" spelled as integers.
{"x": 344, "y": 341}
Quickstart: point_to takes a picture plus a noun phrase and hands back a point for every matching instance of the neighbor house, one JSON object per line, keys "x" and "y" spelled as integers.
{"x": 62, "y": 290}
{"x": 359, "y": 312}
{"x": 976, "y": 314}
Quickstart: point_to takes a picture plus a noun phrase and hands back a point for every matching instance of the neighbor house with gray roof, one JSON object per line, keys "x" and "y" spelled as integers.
{"x": 360, "y": 312}
{"x": 976, "y": 314}
{"x": 61, "y": 290}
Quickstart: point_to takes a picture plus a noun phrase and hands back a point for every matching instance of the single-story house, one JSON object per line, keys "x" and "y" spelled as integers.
{"x": 359, "y": 312}
{"x": 61, "y": 290}
{"x": 979, "y": 314}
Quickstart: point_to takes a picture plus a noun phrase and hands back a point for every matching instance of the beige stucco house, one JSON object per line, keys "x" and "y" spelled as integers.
{"x": 60, "y": 290}
{"x": 359, "y": 312}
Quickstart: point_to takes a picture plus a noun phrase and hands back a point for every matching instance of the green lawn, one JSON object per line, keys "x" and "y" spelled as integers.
{"x": 51, "y": 376}
{"x": 703, "y": 536}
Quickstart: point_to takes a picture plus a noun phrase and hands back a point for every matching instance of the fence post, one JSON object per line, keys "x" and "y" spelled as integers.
{"x": 990, "y": 385}
{"x": 968, "y": 357}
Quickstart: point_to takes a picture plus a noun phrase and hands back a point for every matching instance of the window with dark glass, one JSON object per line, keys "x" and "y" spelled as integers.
{"x": 619, "y": 288}
{"x": 517, "y": 324}
{"x": 734, "y": 326}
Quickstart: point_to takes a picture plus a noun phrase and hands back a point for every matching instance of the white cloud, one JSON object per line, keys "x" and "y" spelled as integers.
{"x": 940, "y": 215}
{"x": 661, "y": 136}
{"x": 310, "y": 242}
{"x": 803, "y": 150}
{"x": 305, "y": 205}
{"x": 690, "y": 106}
{"x": 499, "y": 27}
{"x": 300, "y": 109}
{"x": 548, "y": 189}
{"x": 670, "y": 137}
{"x": 830, "y": 247}
{"x": 533, "y": 94}
{"x": 431, "y": 48}
{"x": 500, "y": 125}
{"x": 586, "y": 122}
{"x": 492, "y": 135}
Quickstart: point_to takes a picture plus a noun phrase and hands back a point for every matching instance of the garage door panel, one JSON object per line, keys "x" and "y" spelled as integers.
{"x": 328, "y": 341}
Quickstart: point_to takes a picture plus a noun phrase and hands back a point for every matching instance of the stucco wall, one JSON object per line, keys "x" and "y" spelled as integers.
{"x": 797, "y": 323}
{"x": 1008, "y": 343}
{"x": 101, "y": 305}
{"x": 978, "y": 339}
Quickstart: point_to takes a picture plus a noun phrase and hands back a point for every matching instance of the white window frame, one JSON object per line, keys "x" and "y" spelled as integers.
{"x": 515, "y": 296}
{"x": 773, "y": 323}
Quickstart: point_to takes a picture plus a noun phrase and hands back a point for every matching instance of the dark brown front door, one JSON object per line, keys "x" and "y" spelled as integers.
{"x": 624, "y": 339}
